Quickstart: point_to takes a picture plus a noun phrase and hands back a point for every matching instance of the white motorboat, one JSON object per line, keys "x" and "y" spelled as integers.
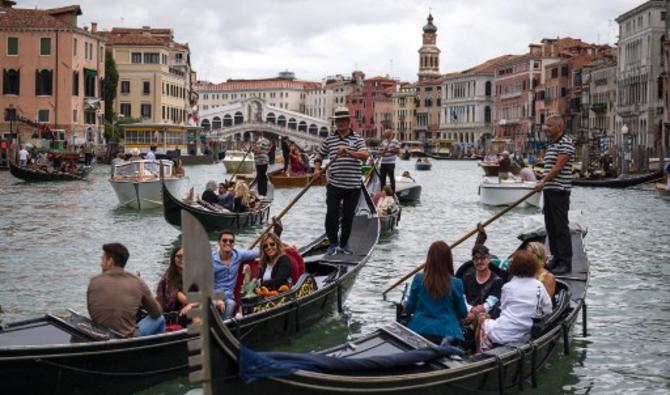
{"x": 496, "y": 192}
{"x": 234, "y": 158}
{"x": 407, "y": 190}
{"x": 137, "y": 184}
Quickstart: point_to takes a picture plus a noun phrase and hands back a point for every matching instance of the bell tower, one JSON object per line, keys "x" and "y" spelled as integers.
{"x": 429, "y": 53}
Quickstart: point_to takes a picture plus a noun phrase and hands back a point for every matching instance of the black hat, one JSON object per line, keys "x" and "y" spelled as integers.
{"x": 480, "y": 249}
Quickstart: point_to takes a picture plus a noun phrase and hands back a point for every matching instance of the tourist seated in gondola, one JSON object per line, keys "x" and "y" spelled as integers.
{"x": 241, "y": 199}
{"x": 170, "y": 292}
{"x": 226, "y": 261}
{"x": 226, "y": 198}
{"x": 115, "y": 296}
{"x": 435, "y": 303}
{"x": 298, "y": 166}
{"x": 254, "y": 201}
{"x": 544, "y": 275}
{"x": 69, "y": 167}
{"x": 387, "y": 203}
{"x": 275, "y": 266}
{"x": 209, "y": 195}
{"x": 522, "y": 298}
{"x": 483, "y": 287}
{"x": 406, "y": 174}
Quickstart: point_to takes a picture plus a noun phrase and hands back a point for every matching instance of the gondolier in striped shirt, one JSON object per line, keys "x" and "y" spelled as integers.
{"x": 389, "y": 148}
{"x": 556, "y": 183}
{"x": 344, "y": 179}
{"x": 261, "y": 150}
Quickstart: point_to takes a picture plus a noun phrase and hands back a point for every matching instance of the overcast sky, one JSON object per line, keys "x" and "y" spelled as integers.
{"x": 316, "y": 38}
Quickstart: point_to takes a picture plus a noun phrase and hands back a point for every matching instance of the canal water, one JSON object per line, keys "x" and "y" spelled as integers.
{"x": 51, "y": 234}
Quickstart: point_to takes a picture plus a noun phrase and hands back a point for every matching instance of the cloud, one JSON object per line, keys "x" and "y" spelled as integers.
{"x": 259, "y": 38}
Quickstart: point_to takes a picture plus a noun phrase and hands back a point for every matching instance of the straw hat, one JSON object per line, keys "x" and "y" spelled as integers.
{"x": 340, "y": 113}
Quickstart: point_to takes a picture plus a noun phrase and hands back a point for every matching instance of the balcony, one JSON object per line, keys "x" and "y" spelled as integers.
{"x": 511, "y": 95}
{"x": 599, "y": 107}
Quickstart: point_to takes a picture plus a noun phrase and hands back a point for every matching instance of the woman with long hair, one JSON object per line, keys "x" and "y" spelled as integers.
{"x": 275, "y": 266}
{"x": 436, "y": 303}
{"x": 544, "y": 275}
{"x": 241, "y": 201}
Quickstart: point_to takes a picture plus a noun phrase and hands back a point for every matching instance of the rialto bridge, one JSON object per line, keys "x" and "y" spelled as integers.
{"x": 238, "y": 121}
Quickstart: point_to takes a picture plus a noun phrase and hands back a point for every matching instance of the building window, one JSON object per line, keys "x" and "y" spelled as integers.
{"x": 75, "y": 43}
{"x": 10, "y": 114}
{"x": 101, "y": 54}
{"x": 125, "y": 110}
{"x": 151, "y": 58}
{"x": 125, "y": 87}
{"x": 10, "y": 82}
{"x": 89, "y": 117}
{"x": 179, "y": 57}
{"x": 74, "y": 116}
{"x": 564, "y": 71}
{"x": 136, "y": 57}
{"x": 146, "y": 87}
{"x": 145, "y": 110}
{"x": 43, "y": 82}
{"x": 75, "y": 83}
{"x": 554, "y": 73}
{"x": 45, "y": 46}
{"x": 89, "y": 82}
{"x": 43, "y": 116}
{"x": 12, "y": 46}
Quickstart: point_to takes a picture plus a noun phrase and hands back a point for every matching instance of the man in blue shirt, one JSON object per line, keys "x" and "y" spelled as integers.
{"x": 151, "y": 155}
{"x": 226, "y": 260}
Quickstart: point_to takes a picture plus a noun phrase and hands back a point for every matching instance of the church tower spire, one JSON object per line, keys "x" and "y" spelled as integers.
{"x": 429, "y": 53}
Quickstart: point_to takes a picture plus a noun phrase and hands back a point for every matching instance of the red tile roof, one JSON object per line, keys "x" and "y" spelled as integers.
{"x": 142, "y": 36}
{"x": 11, "y": 17}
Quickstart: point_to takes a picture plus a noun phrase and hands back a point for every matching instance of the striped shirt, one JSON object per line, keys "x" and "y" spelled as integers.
{"x": 345, "y": 172}
{"x": 564, "y": 146}
{"x": 389, "y": 156}
{"x": 261, "y": 158}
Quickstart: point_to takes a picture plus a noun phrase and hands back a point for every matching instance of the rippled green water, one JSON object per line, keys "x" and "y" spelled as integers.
{"x": 50, "y": 238}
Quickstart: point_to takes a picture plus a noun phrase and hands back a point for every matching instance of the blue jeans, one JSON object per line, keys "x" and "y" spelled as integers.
{"x": 23, "y": 162}
{"x": 151, "y": 326}
{"x": 229, "y": 310}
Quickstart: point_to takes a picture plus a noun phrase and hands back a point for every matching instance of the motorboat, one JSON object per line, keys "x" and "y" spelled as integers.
{"x": 137, "y": 183}
{"x": 494, "y": 191}
{"x": 239, "y": 162}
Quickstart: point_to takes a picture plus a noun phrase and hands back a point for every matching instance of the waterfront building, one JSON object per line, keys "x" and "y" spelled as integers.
{"x": 639, "y": 74}
{"x": 284, "y": 92}
{"x": 321, "y": 100}
{"x": 403, "y": 111}
{"x": 372, "y": 106}
{"x": 52, "y": 72}
{"x": 428, "y": 96}
{"x": 468, "y": 104}
{"x": 155, "y": 75}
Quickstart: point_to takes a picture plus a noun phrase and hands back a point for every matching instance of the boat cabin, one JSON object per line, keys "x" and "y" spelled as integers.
{"x": 142, "y": 169}
{"x": 171, "y": 140}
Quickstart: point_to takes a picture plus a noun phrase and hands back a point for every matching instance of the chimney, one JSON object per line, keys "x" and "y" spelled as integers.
{"x": 94, "y": 27}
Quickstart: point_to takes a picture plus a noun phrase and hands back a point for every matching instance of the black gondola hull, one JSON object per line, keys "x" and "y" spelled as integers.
{"x": 618, "y": 182}
{"x": 30, "y": 175}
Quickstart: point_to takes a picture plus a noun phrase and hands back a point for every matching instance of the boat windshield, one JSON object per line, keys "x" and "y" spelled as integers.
{"x": 127, "y": 169}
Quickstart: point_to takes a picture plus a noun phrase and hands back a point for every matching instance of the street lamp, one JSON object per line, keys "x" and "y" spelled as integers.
{"x": 624, "y": 147}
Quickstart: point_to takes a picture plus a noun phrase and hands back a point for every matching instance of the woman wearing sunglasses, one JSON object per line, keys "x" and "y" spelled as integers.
{"x": 275, "y": 265}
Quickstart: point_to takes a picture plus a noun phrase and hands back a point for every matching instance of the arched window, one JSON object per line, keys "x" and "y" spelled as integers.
{"x": 227, "y": 121}
{"x": 216, "y": 123}
{"x": 313, "y": 129}
{"x": 270, "y": 118}
{"x": 281, "y": 121}
{"x": 323, "y": 132}
{"x": 11, "y": 82}
{"x": 292, "y": 124}
{"x": 205, "y": 124}
{"x": 487, "y": 88}
{"x": 239, "y": 118}
{"x": 487, "y": 114}
{"x": 428, "y": 102}
{"x": 302, "y": 126}
{"x": 43, "y": 82}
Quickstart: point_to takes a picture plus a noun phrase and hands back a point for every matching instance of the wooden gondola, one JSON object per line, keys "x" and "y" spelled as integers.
{"x": 619, "y": 182}
{"x": 281, "y": 180}
{"x": 394, "y": 359}
{"x": 69, "y": 354}
{"x": 212, "y": 220}
{"x": 34, "y": 175}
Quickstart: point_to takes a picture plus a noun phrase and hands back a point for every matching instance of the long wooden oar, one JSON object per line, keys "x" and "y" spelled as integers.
{"x": 375, "y": 165}
{"x": 291, "y": 203}
{"x": 232, "y": 176}
{"x": 462, "y": 239}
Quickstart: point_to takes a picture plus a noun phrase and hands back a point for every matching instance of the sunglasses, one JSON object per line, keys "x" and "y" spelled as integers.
{"x": 266, "y": 245}
{"x": 227, "y": 241}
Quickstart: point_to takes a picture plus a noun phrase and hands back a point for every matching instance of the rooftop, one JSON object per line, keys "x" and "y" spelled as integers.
{"x": 35, "y": 18}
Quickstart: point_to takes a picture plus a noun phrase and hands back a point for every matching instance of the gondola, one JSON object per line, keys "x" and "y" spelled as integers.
{"x": 34, "y": 175}
{"x": 212, "y": 220}
{"x": 407, "y": 190}
{"x": 394, "y": 359}
{"x": 423, "y": 164}
{"x": 68, "y": 354}
{"x": 619, "y": 182}
{"x": 405, "y": 155}
{"x": 388, "y": 223}
{"x": 280, "y": 180}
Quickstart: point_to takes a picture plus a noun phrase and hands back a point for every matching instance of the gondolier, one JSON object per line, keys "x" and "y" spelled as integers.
{"x": 344, "y": 179}
{"x": 556, "y": 183}
{"x": 389, "y": 148}
{"x": 261, "y": 150}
